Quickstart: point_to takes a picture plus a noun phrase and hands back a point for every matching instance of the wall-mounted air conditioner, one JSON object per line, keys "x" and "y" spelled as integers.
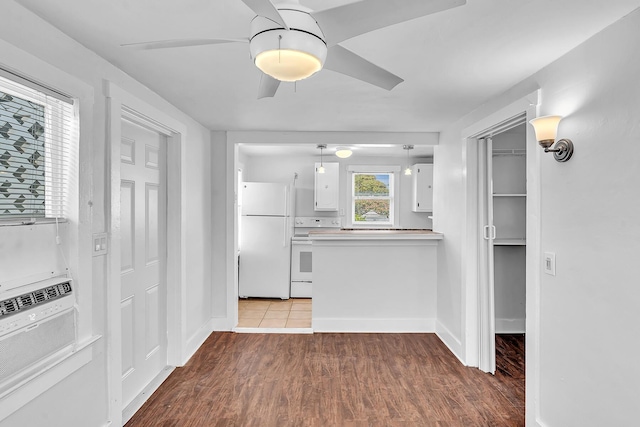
{"x": 37, "y": 325}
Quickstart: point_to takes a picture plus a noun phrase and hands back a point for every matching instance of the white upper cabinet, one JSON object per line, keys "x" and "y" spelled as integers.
{"x": 326, "y": 187}
{"x": 422, "y": 176}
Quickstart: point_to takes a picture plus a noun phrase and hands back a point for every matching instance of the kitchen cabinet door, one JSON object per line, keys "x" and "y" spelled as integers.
{"x": 422, "y": 174}
{"x": 327, "y": 192}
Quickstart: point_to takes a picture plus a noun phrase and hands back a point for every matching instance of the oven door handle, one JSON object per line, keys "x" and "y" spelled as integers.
{"x": 301, "y": 242}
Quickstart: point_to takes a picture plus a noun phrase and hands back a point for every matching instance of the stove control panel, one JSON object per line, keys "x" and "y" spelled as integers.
{"x": 317, "y": 222}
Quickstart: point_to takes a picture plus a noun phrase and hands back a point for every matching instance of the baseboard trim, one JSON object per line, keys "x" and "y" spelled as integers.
{"x": 137, "y": 402}
{"x": 452, "y": 343}
{"x": 221, "y": 324}
{"x": 373, "y": 325}
{"x": 197, "y": 339}
{"x": 273, "y": 330}
{"x": 510, "y": 326}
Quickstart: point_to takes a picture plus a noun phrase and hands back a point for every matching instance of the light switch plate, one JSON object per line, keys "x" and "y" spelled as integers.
{"x": 100, "y": 246}
{"x": 549, "y": 262}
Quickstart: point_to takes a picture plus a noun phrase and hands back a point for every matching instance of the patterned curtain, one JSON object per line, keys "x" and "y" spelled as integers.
{"x": 22, "y": 175}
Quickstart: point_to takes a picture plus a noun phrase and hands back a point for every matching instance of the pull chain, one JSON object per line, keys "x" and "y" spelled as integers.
{"x": 279, "y": 49}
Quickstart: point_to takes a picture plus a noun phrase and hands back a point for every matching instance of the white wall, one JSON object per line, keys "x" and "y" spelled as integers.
{"x": 282, "y": 169}
{"x": 35, "y": 48}
{"x": 584, "y": 346}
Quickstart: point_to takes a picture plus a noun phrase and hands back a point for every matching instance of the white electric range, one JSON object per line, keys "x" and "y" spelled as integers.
{"x": 302, "y": 255}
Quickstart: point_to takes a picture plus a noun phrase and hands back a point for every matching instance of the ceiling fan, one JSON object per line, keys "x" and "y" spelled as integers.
{"x": 290, "y": 42}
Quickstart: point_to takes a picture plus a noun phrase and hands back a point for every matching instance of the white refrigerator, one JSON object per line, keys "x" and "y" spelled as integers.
{"x": 265, "y": 240}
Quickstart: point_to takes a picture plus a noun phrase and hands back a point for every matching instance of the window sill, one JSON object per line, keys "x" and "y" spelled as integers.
{"x": 28, "y": 222}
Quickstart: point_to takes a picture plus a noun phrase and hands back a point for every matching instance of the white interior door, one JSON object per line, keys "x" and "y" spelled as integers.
{"x": 143, "y": 255}
{"x": 486, "y": 302}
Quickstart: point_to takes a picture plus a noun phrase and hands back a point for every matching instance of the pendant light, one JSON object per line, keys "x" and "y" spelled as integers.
{"x": 321, "y": 147}
{"x": 407, "y": 171}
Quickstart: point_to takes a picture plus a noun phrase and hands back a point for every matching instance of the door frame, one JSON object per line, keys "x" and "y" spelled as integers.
{"x": 471, "y": 292}
{"x": 122, "y": 105}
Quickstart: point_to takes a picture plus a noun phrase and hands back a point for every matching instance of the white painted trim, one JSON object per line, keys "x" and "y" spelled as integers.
{"x": 528, "y": 104}
{"x": 232, "y": 238}
{"x": 121, "y": 104}
{"x": 145, "y": 394}
{"x": 374, "y": 325}
{"x": 220, "y": 324}
{"x": 533, "y": 267}
{"x": 197, "y": 339}
{"x": 511, "y": 110}
{"x": 47, "y": 378}
{"x": 273, "y": 330}
{"x": 469, "y": 256}
{"x": 333, "y": 137}
{"x": 453, "y": 343}
{"x": 510, "y": 326}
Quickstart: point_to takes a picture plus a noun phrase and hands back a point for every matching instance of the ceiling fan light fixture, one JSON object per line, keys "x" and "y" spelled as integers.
{"x": 288, "y": 55}
{"x": 288, "y": 65}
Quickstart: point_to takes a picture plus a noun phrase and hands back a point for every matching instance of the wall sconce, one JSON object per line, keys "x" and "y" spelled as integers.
{"x": 321, "y": 147}
{"x": 546, "y": 128}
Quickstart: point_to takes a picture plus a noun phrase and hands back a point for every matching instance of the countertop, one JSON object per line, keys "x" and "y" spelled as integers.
{"x": 376, "y": 234}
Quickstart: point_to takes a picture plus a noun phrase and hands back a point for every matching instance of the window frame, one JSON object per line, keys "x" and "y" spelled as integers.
{"x": 61, "y": 124}
{"x": 392, "y": 171}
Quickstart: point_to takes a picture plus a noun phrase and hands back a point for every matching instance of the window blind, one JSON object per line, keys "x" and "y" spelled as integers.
{"x": 36, "y": 134}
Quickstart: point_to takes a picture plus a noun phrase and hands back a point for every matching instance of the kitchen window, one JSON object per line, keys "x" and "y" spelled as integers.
{"x": 373, "y": 190}
{"x": 36, "y": 130}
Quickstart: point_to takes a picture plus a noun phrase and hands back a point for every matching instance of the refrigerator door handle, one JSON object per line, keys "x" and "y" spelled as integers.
{"x": 284, "y": 232}
{"x": 286, "y": 217}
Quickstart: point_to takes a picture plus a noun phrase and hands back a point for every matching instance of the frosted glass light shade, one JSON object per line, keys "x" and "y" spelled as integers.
{"x": 407, "y": 171}
{"x": 321, "y": 169}
{"x": 546, "y": 128}
{"x": 288, "y": 65}
{"x": 343, "y": 152}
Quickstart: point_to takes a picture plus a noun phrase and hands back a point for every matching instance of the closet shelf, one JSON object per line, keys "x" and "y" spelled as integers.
{"x": 508, "y": 152}
{"x": 509, "y": 242}
{"x": 509, "y": 195}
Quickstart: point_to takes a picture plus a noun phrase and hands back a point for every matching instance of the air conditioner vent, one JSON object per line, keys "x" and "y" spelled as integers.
{"x": 40, "y": 296}
{"x": 25, "y": 300}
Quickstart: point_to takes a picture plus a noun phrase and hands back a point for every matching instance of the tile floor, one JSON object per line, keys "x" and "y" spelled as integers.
{"x": 274, "y": 313}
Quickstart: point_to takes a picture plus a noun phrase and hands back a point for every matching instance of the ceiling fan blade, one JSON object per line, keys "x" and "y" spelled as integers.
{"x": 346, "y": 62}
{"x": 267, "y": 9}
{"x": 165, "y": 44}
{"x": 344, "y": 22}
{"x": 268, "y": 86}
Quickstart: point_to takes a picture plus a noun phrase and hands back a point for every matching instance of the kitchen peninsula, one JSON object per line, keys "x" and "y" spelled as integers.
{"x": 374, "y": 280}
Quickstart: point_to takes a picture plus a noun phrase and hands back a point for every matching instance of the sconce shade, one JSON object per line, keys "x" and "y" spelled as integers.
{"x": 546, "y": 128}
{"x": 343, "y": 152}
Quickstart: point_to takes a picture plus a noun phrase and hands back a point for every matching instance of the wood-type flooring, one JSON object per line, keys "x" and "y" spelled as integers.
{"x": 337, "y": 380}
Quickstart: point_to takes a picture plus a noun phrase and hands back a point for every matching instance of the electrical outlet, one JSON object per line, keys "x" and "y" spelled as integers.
{"x": 550, "y": 263}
